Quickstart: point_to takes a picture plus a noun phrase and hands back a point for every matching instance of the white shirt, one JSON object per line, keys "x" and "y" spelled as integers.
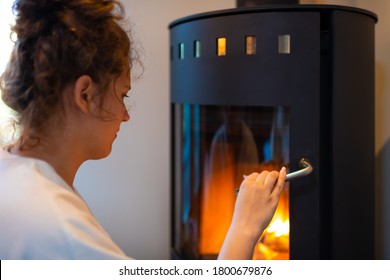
{"x": 41, "y": 217}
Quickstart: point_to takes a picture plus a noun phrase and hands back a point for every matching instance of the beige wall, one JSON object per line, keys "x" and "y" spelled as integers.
{"x": 382, "y": 127}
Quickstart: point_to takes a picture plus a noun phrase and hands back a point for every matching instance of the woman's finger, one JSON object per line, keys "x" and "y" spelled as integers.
{"x": 281, "y": 180}
{"x": 261, "y": 177}
{"x": 270, "y": 180}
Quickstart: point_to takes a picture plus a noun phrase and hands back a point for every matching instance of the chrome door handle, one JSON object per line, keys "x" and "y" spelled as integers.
{"x": 306, "y": 166}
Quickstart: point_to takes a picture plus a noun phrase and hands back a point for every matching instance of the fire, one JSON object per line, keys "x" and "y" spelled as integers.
{"x": 279, "y": 228}
{"x": 274, "y": 244}
{"x": 216, "y": 215}
{"x": 224, "y": 167}
{"x": 218, "y": 199}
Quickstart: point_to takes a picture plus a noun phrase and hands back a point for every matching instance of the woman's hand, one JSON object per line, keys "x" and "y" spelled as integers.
{"x": 255, "y": 206}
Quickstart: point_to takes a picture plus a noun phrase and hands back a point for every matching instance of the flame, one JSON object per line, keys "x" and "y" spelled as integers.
{"x": 275, "y": 241}
{"x": 279, "y": 228}
{"x": 218, "y": 198}
{"x": 222, "y": 174}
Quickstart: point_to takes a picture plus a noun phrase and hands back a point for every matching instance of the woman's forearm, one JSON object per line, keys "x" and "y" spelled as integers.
{"x": 255, "y": 206}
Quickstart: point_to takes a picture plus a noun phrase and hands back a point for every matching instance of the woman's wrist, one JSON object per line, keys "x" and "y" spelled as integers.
{"x": 247, "y": 229}
{"x": 239, "y": 243}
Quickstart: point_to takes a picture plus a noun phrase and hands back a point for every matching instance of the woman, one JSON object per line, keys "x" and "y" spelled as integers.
{"x": 67, "y": 79}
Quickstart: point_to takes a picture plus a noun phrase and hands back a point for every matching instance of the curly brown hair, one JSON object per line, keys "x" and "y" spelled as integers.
{"x": 56, "y": 42}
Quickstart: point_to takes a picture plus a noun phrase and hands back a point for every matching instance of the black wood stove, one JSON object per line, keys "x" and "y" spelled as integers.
{"x": 263, "y": 86}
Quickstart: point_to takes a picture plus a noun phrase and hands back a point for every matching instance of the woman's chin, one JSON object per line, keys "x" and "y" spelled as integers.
{"x": 102, "y": 153}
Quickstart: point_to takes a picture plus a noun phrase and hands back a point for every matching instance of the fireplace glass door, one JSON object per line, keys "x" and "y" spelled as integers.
{"x": 214, "y": 147}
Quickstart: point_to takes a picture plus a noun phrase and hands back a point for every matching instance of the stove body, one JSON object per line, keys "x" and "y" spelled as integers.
{"x": 262, "y": 87}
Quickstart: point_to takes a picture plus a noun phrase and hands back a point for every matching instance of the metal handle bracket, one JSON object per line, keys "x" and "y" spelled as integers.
{"x": 306, "y": 166}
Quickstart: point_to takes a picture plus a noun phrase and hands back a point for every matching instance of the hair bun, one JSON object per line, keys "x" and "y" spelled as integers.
{"x": 37, "y": 9}
{"x": 36, "y": 17}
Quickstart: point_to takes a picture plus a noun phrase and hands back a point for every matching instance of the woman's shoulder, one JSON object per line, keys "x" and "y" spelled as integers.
{"x": 44, "y": 218}
{"x": 31, "y": 185}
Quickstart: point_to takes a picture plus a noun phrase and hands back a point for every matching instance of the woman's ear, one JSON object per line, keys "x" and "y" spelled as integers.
{"x": 83, "y": 92}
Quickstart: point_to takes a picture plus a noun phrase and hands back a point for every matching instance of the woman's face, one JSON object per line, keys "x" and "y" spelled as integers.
{"x": 110, "y": 114}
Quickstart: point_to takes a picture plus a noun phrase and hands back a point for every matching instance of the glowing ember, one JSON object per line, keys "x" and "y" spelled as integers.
{"x": 279, "y": 228}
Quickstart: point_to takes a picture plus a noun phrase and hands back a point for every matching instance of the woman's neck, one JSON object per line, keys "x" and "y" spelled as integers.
{"x": 59, "y": 154}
